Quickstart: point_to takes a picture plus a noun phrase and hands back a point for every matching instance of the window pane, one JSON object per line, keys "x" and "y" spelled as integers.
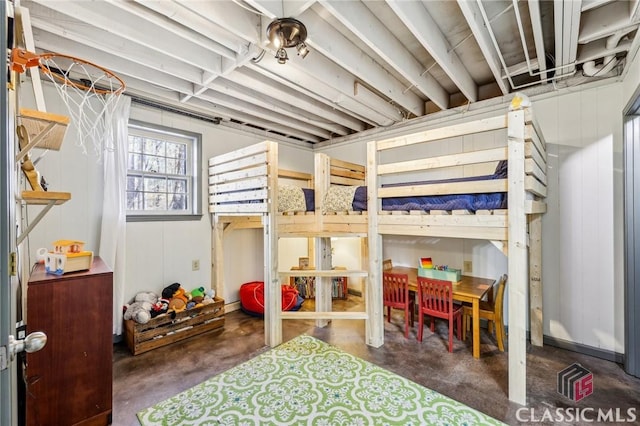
{"x": 154, "y": 146}
{"x": 177, "y": 202}
{"x": 134, "y": 183}
{"x": 135, "y": 162}
{"x": 176, "y": 167}
{"x": 155, "y": 185}
{"x": 134, "y": 200}
{"x": 154, "y": 164}
{"x": 135, "y": 144}
{"x": 155, "y": 201}
{"x": 178, "y": 186}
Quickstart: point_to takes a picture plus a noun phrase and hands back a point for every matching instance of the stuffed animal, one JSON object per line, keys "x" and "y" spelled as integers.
{"x": 167, "y": 292}
{"x": 160, "y": 307}
{"x": 140, "y": 312}
{"x": 197, "y": 295}
{"x": 208, "y": 296}
{"x": 146, "y": 296}
{"x": 179, "y": 301}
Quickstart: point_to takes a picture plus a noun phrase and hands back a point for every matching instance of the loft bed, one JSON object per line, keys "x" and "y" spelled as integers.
{"x": 240, "y": 181}
{"x": 515, "y": 227}
{"x": 248, "y": 190}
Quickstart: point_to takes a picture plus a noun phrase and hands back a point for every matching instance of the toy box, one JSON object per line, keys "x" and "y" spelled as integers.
{"x": 447, "y": 274}
{"x": 168, "y": 328}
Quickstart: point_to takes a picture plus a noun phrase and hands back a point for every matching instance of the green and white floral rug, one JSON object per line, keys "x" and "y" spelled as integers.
{"x": 307, "y": 382}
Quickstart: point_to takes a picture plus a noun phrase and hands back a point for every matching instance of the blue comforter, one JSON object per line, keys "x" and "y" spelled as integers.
{"x": 470, "y": 202}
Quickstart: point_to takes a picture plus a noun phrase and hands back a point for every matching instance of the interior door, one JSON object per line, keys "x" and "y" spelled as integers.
{"x": 632, "y": 236}
{"x": 8, "y": 369}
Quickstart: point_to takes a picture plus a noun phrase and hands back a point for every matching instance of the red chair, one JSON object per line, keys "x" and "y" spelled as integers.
{"x": 435, "y": 299}
{"x": 395, "y": 294}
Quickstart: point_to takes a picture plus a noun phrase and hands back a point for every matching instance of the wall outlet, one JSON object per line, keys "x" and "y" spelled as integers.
{"x": 467, "y": 266}
{"x": 195, "y": 265}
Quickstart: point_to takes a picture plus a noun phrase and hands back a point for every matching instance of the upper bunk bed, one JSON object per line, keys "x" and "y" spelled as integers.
{"x": 247, "y": 183}
{"x": 475, "y": 205}
{"x": 512, "y": 220}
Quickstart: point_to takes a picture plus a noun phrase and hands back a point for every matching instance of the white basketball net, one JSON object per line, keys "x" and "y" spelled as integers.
{"x": 90, "y": 93}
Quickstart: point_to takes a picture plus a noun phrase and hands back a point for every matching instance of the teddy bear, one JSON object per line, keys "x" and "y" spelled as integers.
{"x": 140, "y": 312}
{"x": 140, "y": 309}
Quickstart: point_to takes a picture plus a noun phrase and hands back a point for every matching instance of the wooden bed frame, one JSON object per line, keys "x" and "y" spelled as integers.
{"x": 516, "y": 231}
{"x": 243, "y": 194}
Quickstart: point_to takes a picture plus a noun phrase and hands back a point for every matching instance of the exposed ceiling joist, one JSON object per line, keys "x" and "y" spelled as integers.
{"x": 335, "y": 46}
{"x": 414, "y": 15}
{"x": 384, "y": 43}
{"x": 474, "y": 19}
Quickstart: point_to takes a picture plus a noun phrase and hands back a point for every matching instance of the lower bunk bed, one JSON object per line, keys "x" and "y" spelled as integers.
{"x": 510, "y": 219}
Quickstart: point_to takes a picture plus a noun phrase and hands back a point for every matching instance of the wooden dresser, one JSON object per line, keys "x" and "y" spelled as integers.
{"x": 69, "y": 381}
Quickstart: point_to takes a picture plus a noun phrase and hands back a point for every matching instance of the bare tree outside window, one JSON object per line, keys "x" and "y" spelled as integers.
{"x": 163, "y": 173}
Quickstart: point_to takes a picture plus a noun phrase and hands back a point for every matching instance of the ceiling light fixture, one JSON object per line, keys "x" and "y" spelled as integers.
{"x": 287, "y": 32}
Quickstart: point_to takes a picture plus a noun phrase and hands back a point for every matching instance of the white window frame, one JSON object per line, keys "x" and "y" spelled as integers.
{"x": 194, "y": 172}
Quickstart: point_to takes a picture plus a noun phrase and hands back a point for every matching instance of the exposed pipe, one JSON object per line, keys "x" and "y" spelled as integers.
{"x": 502, "y": 60}
{"x": 590, "y": 69}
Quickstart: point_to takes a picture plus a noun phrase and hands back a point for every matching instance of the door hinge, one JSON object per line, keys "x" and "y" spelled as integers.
{"x": 3, "y": 358}
{"x": 13, "y": 264}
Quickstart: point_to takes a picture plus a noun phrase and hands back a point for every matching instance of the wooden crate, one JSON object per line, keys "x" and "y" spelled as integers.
{"x": 166, "y": 329}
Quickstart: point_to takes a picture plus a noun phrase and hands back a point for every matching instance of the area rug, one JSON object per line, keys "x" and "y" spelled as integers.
{"x": 306, "y": 381}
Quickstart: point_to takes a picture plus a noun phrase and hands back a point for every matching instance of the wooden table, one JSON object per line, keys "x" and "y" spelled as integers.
{"x": 468, "y": 289}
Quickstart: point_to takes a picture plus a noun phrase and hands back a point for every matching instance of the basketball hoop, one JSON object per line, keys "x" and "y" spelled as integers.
{"x": 89, "y": 91}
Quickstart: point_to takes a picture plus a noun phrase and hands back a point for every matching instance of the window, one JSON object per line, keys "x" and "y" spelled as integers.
{"x": 163, "y": 173}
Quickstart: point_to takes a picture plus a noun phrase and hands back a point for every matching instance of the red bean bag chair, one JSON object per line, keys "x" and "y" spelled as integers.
{"x": 252, "y": 298}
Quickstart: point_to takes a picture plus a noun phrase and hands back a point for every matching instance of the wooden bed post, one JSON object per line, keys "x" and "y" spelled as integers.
{"x": 323, "y": 285}
{"x": 272, "y": 293}
{"x": 217, "y": 256}
{"x": 321, "y": 184}
{"x": 374, "y": 327}
{"x": 535, "y": 279}
{"x": 517, "y": 263}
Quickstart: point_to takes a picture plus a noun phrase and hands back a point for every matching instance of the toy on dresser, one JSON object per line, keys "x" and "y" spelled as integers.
{"x": 67, "y": 256}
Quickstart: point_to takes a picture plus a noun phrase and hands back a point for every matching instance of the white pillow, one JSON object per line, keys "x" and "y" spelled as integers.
{"x": 339, "y": 199}
{"x": 291, "y": 199}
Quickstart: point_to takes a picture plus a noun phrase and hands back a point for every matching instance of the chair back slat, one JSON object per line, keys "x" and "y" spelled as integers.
{"x": 435, "y": 296}
{"x": 395, "y": 288}
{"x": 502, "y": 283}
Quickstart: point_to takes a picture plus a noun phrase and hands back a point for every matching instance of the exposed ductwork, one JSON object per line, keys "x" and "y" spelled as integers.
{"x": 590, "y": 69}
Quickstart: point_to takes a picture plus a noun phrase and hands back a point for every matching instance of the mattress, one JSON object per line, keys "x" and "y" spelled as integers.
{"x": 472, "y": 202}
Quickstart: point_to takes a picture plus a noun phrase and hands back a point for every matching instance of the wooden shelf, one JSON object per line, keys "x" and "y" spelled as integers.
{"x": 36, "y": 122}
{"x": 325, "y": 273}
{"x": 48, "y": 199}
{"x": 45, "y": 197}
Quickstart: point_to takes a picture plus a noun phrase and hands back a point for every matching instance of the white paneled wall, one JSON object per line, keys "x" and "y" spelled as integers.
{"x": 582, "y": 290}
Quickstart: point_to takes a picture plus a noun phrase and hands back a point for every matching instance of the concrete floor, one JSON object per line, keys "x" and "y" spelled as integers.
{"x": 143, "y": 380}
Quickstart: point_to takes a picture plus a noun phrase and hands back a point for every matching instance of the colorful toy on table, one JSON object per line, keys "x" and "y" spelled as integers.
{"x": 425, "y": 263}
